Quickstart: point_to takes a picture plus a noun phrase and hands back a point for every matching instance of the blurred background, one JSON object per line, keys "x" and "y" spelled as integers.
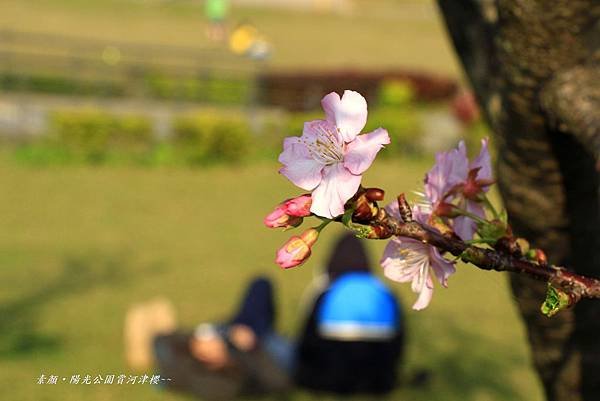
{"x": 138, "y": 153}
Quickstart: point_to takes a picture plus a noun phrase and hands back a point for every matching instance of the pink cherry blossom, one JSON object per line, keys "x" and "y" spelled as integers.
{"x": 453, "y": 176}
{"x": 465, "y": 227}
{"x": 330, "y": 156}
{"x": 408, "y": 260}
{"x": 450, "y": 169}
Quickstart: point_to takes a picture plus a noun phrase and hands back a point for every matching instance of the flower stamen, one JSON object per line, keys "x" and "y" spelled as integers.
{"x": 327, "y": 148}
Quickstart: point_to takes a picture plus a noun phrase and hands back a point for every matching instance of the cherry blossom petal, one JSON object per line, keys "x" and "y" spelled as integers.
{"x": 465, "y": 227}
{"x": 337, "y": 186}
{"x": 425, "y": 294}
{"x": 298, "y": 165}
{"x": 349, "y": 113}
{"x": 483, "y": 161}
{"x": 396, "y": 272}
{"x": 393, "y": 210}
{"x": 397, "y": 268}
{"x": 462, "y": 150}
{"x": 442, "y": 268}
{"x": 361, "y": 152}
{"x": 450, "y": 169}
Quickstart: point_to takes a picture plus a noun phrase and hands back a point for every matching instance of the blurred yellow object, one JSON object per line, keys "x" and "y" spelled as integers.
{"x": 143, "y": 322}
{"x": 243, "y": 38}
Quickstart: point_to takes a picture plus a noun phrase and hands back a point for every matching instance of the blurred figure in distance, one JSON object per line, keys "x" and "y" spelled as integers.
{"x": 216, "y": 12}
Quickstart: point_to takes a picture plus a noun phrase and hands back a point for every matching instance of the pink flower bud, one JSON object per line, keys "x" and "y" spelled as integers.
{"x": 279, "y": 218}
{"x": 299, "y": 206}
{"x": 310, "y": 236}
{"x": 293, "y": 253}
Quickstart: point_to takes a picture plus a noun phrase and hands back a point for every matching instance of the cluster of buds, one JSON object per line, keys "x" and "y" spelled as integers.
{"x": 288, "y": 214}
{"x": 365, "y": 204}
{"x": 367, "y": 214}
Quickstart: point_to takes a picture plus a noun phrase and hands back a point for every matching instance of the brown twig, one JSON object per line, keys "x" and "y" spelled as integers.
{"x": 574, "y": 285}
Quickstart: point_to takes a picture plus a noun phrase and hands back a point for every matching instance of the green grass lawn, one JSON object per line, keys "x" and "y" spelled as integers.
{"x": 79, "y": 245}
{"x": 381, "y": 34}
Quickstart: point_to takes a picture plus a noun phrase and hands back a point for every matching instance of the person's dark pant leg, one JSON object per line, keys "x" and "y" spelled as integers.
{"x": 257, "y": 309}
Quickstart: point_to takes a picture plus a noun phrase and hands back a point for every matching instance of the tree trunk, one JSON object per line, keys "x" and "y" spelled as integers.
{"x": 535, "y": 68}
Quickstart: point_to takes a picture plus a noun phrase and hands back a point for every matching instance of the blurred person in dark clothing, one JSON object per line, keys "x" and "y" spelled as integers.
{"x": 241, "y": 357}
{"x": 353, "y": 337}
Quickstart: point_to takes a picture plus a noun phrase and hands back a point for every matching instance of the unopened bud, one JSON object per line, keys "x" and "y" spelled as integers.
{"x": 293, "y": 253}
{"x": 404, "y": 209}
{"x": 374, "y": 194}
{"x": 364, "y": 210}
{"x": 541, "y": 258}
{"x": 522, "y": 242}
{"x": 279, "y": 218}
{"x": 310, "y": 236}
{"x": 298, "y": 206}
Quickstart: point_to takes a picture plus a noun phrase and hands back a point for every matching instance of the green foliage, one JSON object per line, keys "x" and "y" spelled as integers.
{"x": 491, "y": 231}
{"x": 163, "y": 87}
{"x": 210, "y": 89}
{"x": 94, "y": 136}
{"x": 46, "y": 83}
{"x": 403, "y": 125}
{"x": 208, "y": 137}
{"x": 90, "y": 136}
{"x": 395, "y": 93}
{"x": 556, "y": 300}
{"x": 41, "y": 154}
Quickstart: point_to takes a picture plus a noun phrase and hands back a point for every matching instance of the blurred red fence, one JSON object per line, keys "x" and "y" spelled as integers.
{"x": 303, "y": 90}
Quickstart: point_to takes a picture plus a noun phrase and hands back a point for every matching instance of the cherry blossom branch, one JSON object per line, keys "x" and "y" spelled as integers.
{"x": 574, "y": 286}
{"x": 454, "y": 216}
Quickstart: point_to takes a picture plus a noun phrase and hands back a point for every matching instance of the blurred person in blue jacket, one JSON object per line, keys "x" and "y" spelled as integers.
{"x": 353, "y": 337}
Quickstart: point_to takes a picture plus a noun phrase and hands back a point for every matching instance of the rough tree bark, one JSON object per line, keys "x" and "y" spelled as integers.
{"x": 535, "y": 68}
